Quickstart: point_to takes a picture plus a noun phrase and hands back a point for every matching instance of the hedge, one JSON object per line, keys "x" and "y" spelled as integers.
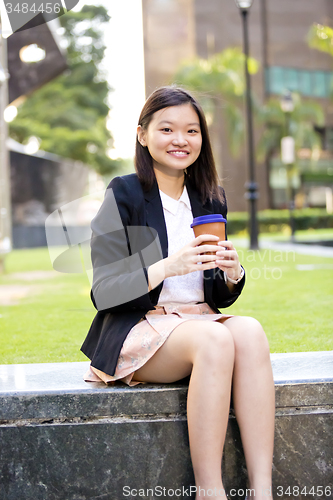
{"x": 277, "y": 220}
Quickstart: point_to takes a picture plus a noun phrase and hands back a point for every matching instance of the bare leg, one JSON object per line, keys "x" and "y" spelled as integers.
{"x": 254, "y": 401}
{"x": 206, "y": 350}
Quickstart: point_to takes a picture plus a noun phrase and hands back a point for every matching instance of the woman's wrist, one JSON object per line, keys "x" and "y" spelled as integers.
{"x": 156, "y": 274}
{"x": 236, "y": 280}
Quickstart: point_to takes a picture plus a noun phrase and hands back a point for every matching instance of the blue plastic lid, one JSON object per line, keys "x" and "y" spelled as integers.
{"x": 207, "y": 219}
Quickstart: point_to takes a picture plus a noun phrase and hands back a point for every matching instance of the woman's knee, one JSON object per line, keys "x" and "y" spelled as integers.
{"x": 248, "y": 335}
{"x": 215, "y": 343}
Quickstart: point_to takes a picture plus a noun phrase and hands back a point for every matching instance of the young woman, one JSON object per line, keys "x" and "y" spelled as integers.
{"x": 158, "y": 314}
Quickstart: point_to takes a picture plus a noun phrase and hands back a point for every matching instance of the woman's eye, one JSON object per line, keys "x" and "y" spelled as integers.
{"x": 166, "y": 129}
{"x": 192, "y": 131}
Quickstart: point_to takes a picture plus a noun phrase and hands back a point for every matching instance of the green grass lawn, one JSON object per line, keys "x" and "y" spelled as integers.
{"x": 290, "y": 294}
{"x": 50, "y": 323}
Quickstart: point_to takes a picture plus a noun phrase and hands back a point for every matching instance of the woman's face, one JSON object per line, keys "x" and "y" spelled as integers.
{"x": 173, "y": 138}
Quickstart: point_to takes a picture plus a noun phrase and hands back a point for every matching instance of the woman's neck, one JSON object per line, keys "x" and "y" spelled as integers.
{"x": 171, "y": 185}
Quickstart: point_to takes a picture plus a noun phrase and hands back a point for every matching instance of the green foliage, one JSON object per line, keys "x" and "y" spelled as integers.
{"x": 305, "y": 115}
{"x": 220, "y": 85}
{"x": 277, "y": 220}
{"x": 221, "y": 75}
{"x": 321, "y": 38}
{"x": 68, "y": 115}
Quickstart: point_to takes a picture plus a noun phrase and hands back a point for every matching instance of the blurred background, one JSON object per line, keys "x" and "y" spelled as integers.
{"x": 76, "y": 85}
{"x": 71, "y": 90}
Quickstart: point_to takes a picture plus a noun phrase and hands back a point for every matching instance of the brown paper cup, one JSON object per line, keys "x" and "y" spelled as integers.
{"x": 216, "y": 228}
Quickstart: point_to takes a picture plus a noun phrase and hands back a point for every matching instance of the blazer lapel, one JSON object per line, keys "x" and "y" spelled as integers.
{"x": 196, "y": 205}
{"x": 155, "y": 216}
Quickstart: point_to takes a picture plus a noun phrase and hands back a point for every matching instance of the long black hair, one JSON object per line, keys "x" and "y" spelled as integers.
{"x": 202, "y": 173}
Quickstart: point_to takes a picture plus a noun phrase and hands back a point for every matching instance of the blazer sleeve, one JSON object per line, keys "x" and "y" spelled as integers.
{"x": 219, "y": 293}
{"x": 119, "y": 244}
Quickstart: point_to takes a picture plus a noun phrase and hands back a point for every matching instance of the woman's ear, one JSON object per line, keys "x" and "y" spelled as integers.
{"x": 141, "y": 136}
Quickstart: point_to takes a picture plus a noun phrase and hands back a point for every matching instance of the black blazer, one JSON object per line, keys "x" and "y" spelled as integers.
{"x": 119, "y": 267}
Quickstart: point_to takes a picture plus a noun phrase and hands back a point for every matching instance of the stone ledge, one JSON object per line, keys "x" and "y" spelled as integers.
{"x": 65, "y": 439}
{"x": 57, "y": 390}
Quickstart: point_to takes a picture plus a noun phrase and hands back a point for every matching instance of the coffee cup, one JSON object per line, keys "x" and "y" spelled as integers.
{"x": 210, "y": 224}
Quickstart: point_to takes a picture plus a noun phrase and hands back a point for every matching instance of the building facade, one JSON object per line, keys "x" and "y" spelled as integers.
{"x": 176, "y": 30}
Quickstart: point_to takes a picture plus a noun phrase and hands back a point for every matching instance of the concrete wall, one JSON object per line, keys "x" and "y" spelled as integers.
{"x": 64, "y": 439}
{"x": 169, "y": 37}
{"x": 40, "y": 184}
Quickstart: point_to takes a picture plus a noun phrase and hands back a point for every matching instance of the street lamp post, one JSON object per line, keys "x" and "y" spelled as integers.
{"x": 288, "y": 156}
{"x": 251, "y": 185}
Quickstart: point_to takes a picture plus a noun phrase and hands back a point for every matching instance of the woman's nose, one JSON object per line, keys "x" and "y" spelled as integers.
{"x": 179, "y": 140}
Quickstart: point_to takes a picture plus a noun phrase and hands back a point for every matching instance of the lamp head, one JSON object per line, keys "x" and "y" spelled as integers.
{"x": 287, "y": 102}
{"x": 244, "y": 4}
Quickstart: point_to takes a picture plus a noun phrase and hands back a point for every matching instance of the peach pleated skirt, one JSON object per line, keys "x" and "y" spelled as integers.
{"x": 147, "y": 336}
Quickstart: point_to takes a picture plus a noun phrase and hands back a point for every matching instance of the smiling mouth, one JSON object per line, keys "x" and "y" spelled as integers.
{"x": 179, "y": 153}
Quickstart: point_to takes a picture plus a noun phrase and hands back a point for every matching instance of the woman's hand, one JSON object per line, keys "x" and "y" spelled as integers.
{"x": 227, "y": 260}
{"x": 190, "y": 258}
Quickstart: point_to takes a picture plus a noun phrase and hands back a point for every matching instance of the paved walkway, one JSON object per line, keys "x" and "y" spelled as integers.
{"x": 301, "y": 248}
{"x": 12, "y": 293}
{"x": 316, "y": 250}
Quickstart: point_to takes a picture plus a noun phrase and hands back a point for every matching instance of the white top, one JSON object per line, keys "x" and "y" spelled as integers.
{"x": 178, "y": 218}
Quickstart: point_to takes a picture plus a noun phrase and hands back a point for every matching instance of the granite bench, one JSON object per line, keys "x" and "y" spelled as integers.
{"x": 65, "y": 439}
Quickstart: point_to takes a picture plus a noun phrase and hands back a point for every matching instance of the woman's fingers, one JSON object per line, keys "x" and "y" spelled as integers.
{"x": 205, "y": 257}
{"x": 204, "y": 266}
{"x": 226, "y": 244}
{"x": 227, "y": 250}
{"x": 227, "y": 254}
{"x": 202, "y": 254}
{"x": 207, "y": 248}
{"x": 227, "y": 259}
{"x": 204, "y": 237}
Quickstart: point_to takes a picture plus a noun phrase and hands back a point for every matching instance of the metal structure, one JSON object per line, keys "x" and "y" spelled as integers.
{"x": 24, "y": 77}
{"x": 5, "y": 205}
{"x": 288, "y": 156}
{"x": 17, "y": 79}
{"x": 251, "y": 185}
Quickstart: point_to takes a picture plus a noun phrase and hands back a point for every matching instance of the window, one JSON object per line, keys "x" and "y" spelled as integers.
{"x": 306, "y": 82}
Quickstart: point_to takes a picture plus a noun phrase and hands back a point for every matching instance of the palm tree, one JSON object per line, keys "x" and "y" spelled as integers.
{"x": 299, "y": 124}
{"x": 302, "y": 119}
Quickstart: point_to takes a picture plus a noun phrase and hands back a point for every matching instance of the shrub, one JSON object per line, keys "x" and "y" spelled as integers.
{"x": 277, "y": 220}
